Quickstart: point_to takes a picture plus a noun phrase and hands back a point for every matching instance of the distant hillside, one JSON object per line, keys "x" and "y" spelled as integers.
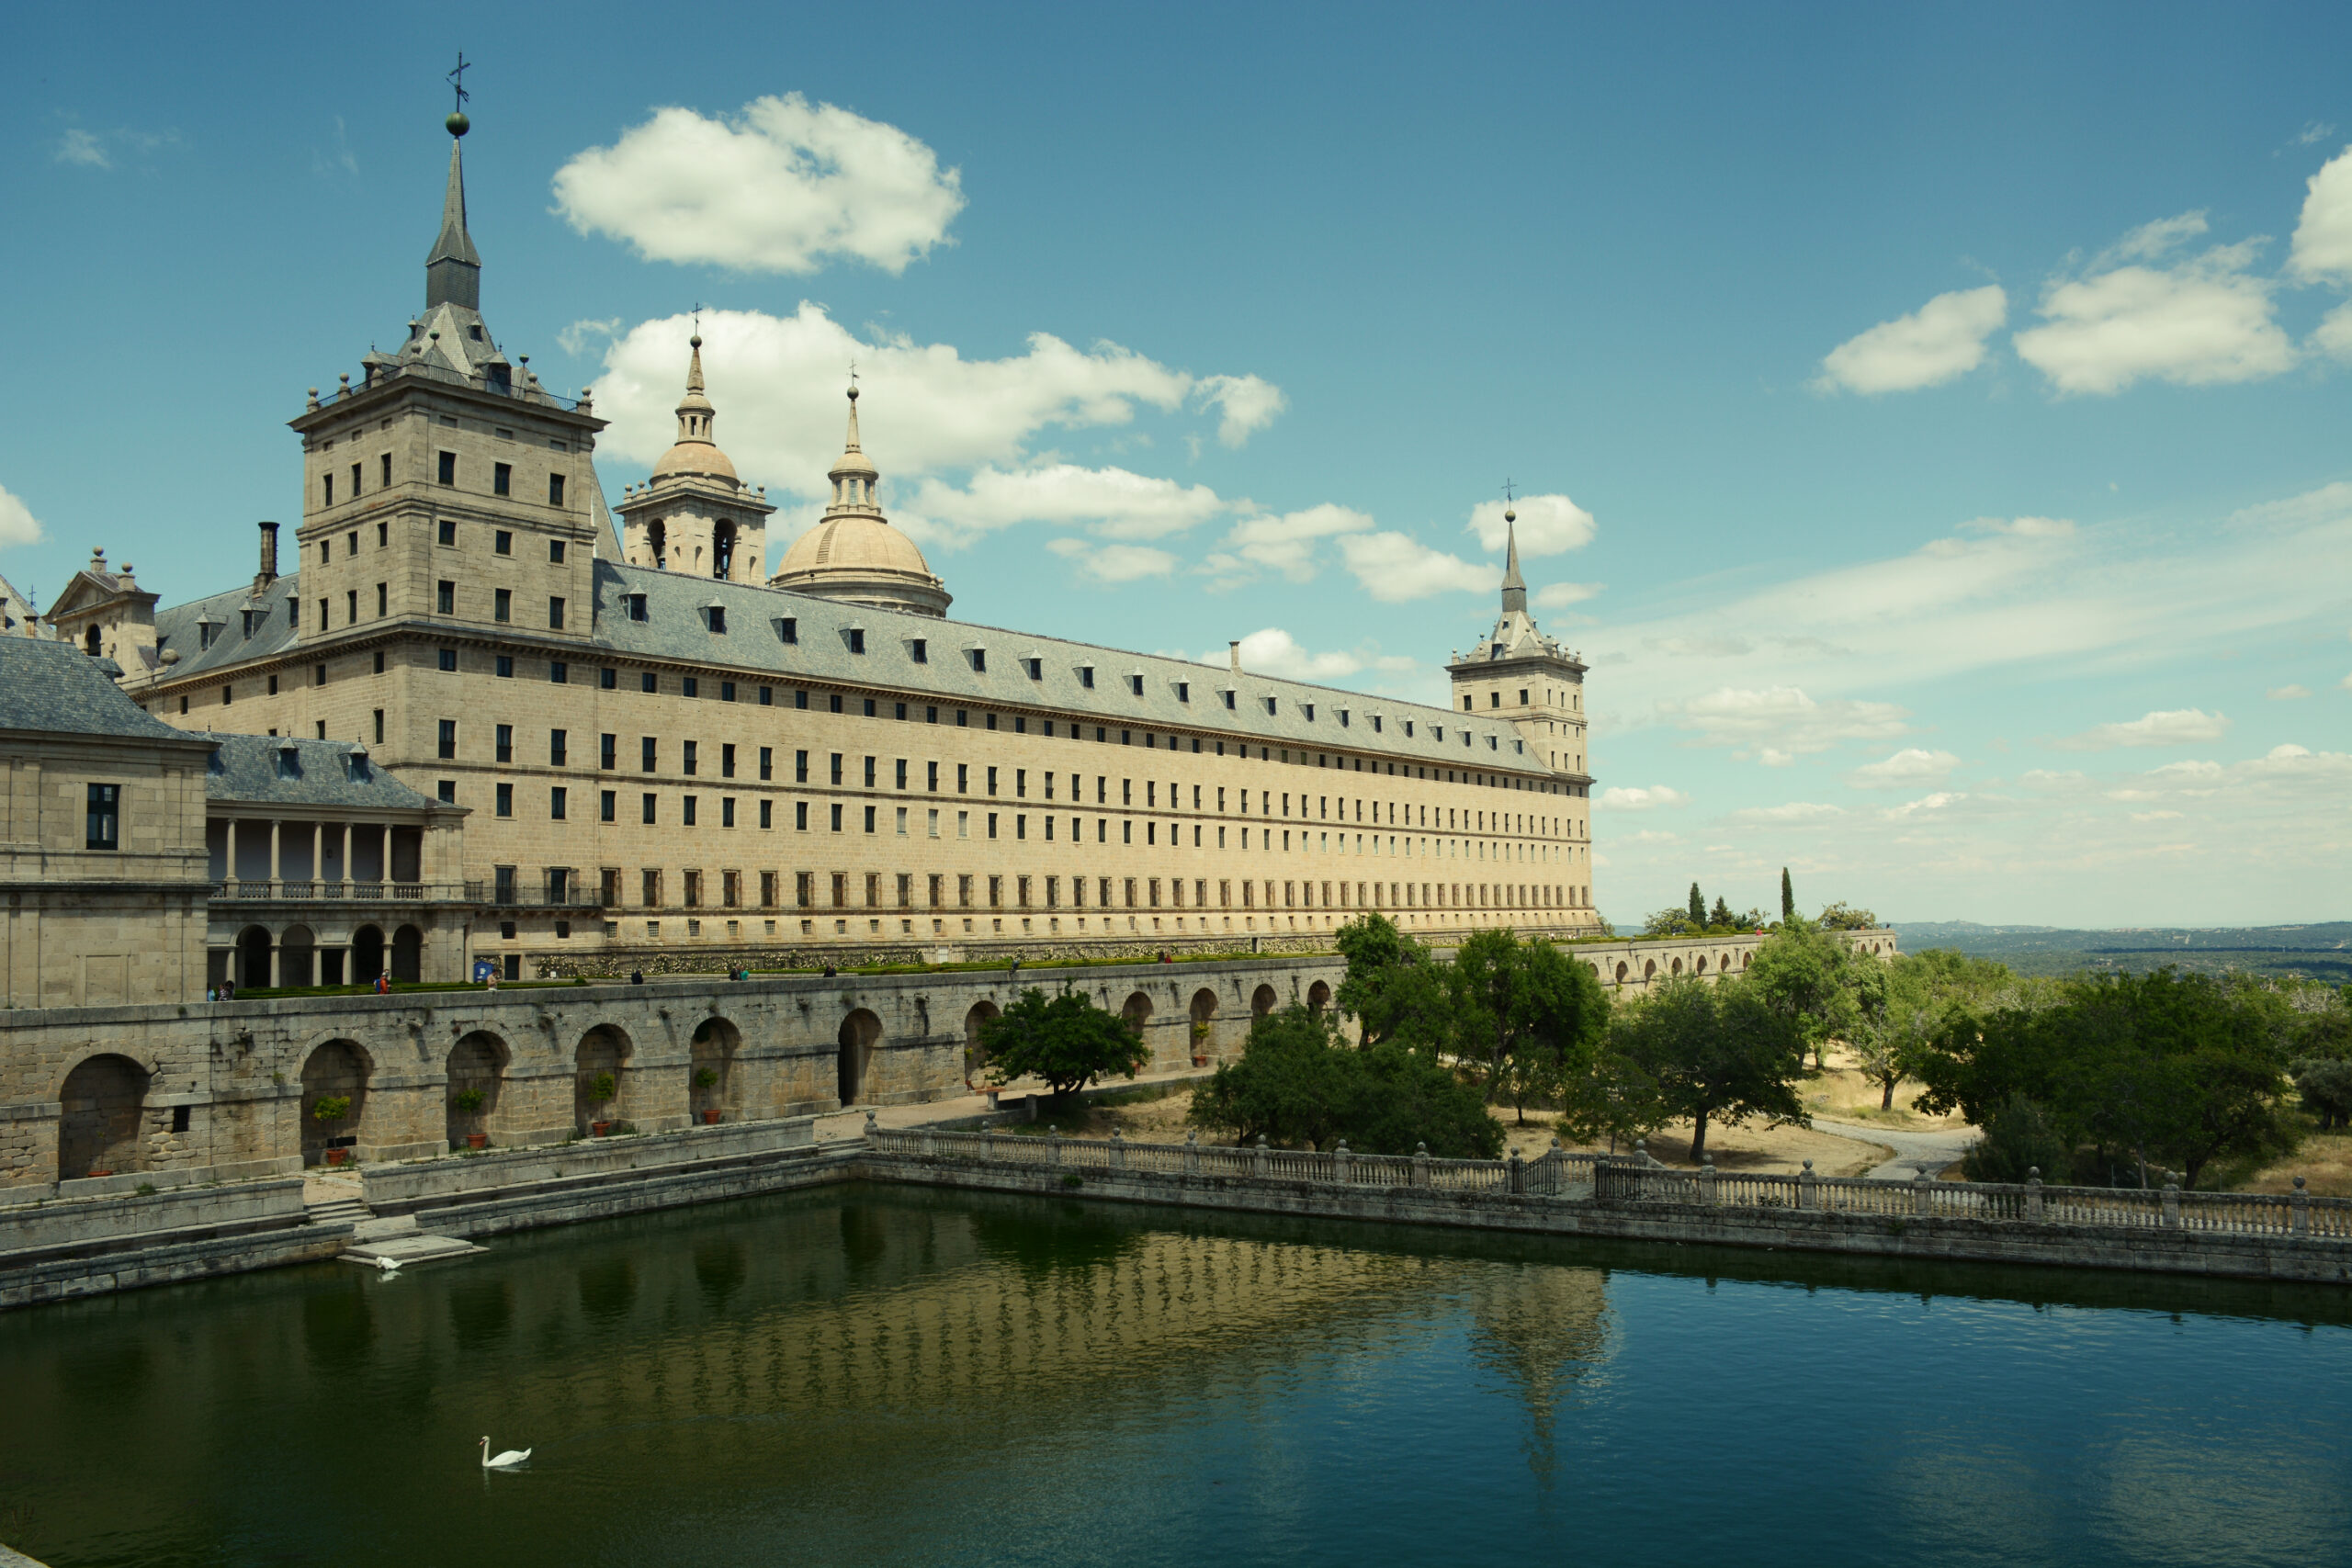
{"x": 2316, "y": 952}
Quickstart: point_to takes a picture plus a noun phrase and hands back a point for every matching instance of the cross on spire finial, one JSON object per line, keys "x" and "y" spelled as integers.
{"x": 697, "y": 318}
{"x": 457, "y": 79}
{"x": 852, "y": 372}
{"x": 1509, "y": 496}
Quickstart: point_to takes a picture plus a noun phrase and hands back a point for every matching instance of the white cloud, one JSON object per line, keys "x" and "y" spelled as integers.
{"x": 1271, "y": 650}
{"x": 18, "y": 524}
{"x": 1795, "y": 811}
{"x": 1114, "y": 563}
{"x": 2313, "y": 132}
{"x": 2321, "y": 250}
{"x": 1246, "y": 404}
{"x": 2172, "y": 726}
{"x": 1395, "y": 568}
{"x": 2201, "y": 322}
{"x": 1560, "y": 595}
{"x": 2333, "y": 336}
{"x": 576, "y": 338}
{"x": 1911, "y": 768}
{"x": 782, "y": 186}
{"x": 1785, "y": 719}
{"x": 2287, "y": 693}
{"x": 1109, "y": 502}
{"x": 2023, "y": 528}
{"x": 1943, "y": 800}
{"x": 2155, "y": 817}
{"x": 1285, "y": 544}
{"x": 1621, "y": 799}
{"x": 1548, "y": 525}
{"x": 1942, "y": 340}
{"x": 85, "y": 148}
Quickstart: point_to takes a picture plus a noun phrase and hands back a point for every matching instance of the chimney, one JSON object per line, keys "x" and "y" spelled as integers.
{"x": 1235, "y": 650}
{"x": 268, "y": 573}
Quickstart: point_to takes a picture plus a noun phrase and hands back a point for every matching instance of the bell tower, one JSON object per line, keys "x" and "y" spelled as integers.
{"x": 694, "y": 515}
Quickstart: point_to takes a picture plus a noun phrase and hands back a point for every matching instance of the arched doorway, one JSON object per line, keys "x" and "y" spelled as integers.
{"x": 1136, "y": 1010}
{"x": 1319, "y": 997}
{"x": 860, "y": 1032}
{"x": 600, "y": 1077}
{"x": 1203, "y": 1018}
{"x": 408, "y": 955}
{"x": 367, "y": 955}
{"x": 477, "y": 1071}
{"x": 1701, "y": 967}
{"x": 1649, "y": 970}
{"x": 336, "y": 1071}
{"x": 100, "y": 1122}
{"x": 1620, "y": 974}
{"x": 710, "y": 1073}
{"x": 253, "y": 958}
{"x": 976, "y": 1056}
{"x": 295, "y": 947}
{"x": 1262, "y": 1002}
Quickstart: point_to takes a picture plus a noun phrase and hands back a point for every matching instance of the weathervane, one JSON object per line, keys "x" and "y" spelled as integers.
{"x": 457, "y": 79}
{"x": 698, "y": 318}
{"x": 852, "y": 372}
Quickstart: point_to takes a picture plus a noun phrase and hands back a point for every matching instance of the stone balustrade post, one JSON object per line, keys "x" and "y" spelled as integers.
{"x": 1342, "y": 1164}
{"x": 870, "y": 1127}
{"x": 1518, "y": 1172}
{"x": 1922, "y": 1200}
{"x": 2172, "y": 1205}
{"x": 1642, "y": 1152}
{"x": 2033, "y": 1209}
{"x": 1258, "y": 1160}
{"x": 1807, "y": 1196}
{"x": 1053, "y": 1145}
{"x": 1709, "y": 1193}
{"x": 987, "y": 1145}
{"x": 1193, "y": 1152}
{"x": 2298, "y": 1205}
{"x": 1118, "y": 1150}
{"x": 1420, "y": 1165}
{"x": 930, "y": 1143}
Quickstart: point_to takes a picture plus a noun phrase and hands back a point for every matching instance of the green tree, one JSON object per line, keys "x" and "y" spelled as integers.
{"x": 1065, "y": 1040}
{"x": 1529, "y": 1014}
{"x": 1670, "y": 923}
{"x": 1617, "y": 1101}
{"x": 1298, "y": 1081}
{"x": 1809, "y": 979}
{"x": 1698, "y": 909}
{"x": 1842, "y": 916}
{"x": 2020, "y": 1141}
{"x": 2325, "y": 1086}
{"x": 1788, "y": 896}
{"x": 1716, "y": 1053}
{"x": 1720, "y": 917}
{"x": 1393, "y": 986}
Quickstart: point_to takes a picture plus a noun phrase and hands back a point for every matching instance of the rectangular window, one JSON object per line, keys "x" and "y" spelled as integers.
{"x": 635, "y": 605}
{"x": 857, "y": 639}
{"x": 555, "y": 496}
{"x": 608, "y": 680}
{"x": 647, "y": 681}
{"x": 607, "y": 752}
{"x": 501, "y": 604}
{"x": 559, "y": 672}
{"x": 767, "y": 814}
{"x": 651, "y": 814}
{"x": 718, "y": 624}
{"x": 380, "y": 727}
{"x": 555, "y": 615}
{"x": 800, "y": 767}
{"x": 501, "y": 478}
{"x": 505, "y": 665}
{"x": 687, "y": 759}
{"x": 608, "y": 805}
{"x": 505, "y": 743}
{"x": 555, "y": 799}
{"x": 448, "y": 738}
{"x": 502, "y": 540}
{"x": 327, "y": 481}
{"x": 650, "y": 884}
{"x": 384, "y": 474}
{"x": 837, "y": 818}
{"x": 555, "y": 552}
{"x": 647, "y": 754}
{"x": 837, "y": 767}
{"x": 445, "y": 599}
{"x": 788, "y": 629}
{"x": 507, "y": 800}
{"x": 870, "y": 819}
{"x": 690, "y": 687}
{"x": 767, "y": 762}
{"x": 447, "y": 532}
{"x": 686, "y": 809}
{"x": 727, "y": 691}
{"x": 558, "y": 747}
{"x": 800, "y": 815}
{"x": 920, "y": 649}
{"x": 727, "y": 760}
{"x": 869, "y": 773}
{"x": 448, "y": 475}
{"x": 350, "y": 608}
{"x": 102, "y": 828}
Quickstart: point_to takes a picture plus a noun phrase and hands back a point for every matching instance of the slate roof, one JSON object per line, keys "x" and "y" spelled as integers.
{"x": 55, "y": 686}
{"x": 256, "y": 769}
{"x": 274, "y": 630}
{"x": 676, "y": 627}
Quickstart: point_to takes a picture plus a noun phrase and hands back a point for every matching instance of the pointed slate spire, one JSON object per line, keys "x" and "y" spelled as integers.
{"x": 695, "y": 412}
{"x": 453, "y": 272}
{"x": 1514, "y": 585}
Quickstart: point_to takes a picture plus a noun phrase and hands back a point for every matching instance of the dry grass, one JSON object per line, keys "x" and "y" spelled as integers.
{"x": 1842, "y": 1092}
{"x": 2326, "y": 1160}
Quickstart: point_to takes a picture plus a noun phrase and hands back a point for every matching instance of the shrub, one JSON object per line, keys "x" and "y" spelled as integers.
{"x": 330, "y": 1107}
{"x": 705, "y": 1078}
{"x": 2326, "y": 1088}
{"x": 469, "y": 1100}
{"x": 601, "y": 1087}
{"x": 2020, "y": 1138}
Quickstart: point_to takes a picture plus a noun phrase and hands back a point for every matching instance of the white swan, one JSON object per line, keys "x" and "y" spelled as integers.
{"x": 387, "y": 1264}
{"x": 506, "y": 1460}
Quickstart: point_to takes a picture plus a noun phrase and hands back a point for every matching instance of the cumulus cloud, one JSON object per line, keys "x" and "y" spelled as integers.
{"x": 1548, "y": 525}
{"x": 2287, "y": 693}
{"x": 2333, "y": 336}
{"x": 2172, "y": 726}
{"x": 1941, "y": 341}
{"x": 2155, "y": 816}
{"x": 1114, "y": 563}
{"x": 1914, "y": 767}
{"x": 2322, "y": 249}
{"x": 18, "y": 524}
{"x": 1620, "y": 797}
{"x": 1396, "y": 567}
{"x": 104, "y": 149}
{"x": 1794, "y": 812}
{"x": 1285, "y": 543}
{"x": 2199, "y": 321}
{"x": 1784, "y": 719}
{"x": 1245, "y": 404}
{"x": 1560, "y": 595}
{"x": 1109, "y": 502}
{"x": 1271, "y": 650}
{"x": 783, "y": 186}
{"x": 1941, "y": 801}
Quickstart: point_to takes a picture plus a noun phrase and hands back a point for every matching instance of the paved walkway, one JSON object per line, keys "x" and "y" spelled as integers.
{"x": 851, "y": 1123}
{"x": 1913, "y": 1149}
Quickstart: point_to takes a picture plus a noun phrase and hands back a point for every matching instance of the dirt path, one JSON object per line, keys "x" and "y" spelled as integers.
{"x": 1912, "y": 1149}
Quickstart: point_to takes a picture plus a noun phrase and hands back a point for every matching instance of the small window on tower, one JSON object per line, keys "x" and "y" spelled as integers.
{"x": 555, "y": 490}
{"x": 384, "y": 471}
{"x": 448, "y": 533}
{"x": 501, "y": 543}
{"x": 448, "y": 469}
{"x": 555, "y": 552}
{"x": 501, "y": 478}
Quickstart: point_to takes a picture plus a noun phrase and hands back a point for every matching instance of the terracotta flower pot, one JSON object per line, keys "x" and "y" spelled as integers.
{"x": 337, "y": 1156}
{"x": 94, "y": 1174}
{"x": 710, "y": 1118}
{"x": 1200, "y": 1061}
{"x": 598, "y": 1129}
{"x": 476, "y": 1140}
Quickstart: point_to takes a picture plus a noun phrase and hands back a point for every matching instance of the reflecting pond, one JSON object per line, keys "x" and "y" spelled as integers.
{"x": 865, "y": 1375}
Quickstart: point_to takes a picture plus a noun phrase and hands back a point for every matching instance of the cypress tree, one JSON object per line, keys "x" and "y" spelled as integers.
{"x": 1698, "y": 909}
{"x": 1788, "y": 896}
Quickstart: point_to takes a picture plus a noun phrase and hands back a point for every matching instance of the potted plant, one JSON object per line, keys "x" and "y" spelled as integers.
{"x": 326, "y": 1110}
{"x": 1201, "y": 1043}
{"x": 468, "y": 1102}
{"x": 601, "y": 1089}
{"x": 707, "y": 1079}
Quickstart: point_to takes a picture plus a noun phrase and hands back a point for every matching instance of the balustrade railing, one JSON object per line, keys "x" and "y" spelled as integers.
{"x": 1559, "y": 1173}
{"x": 380, "y": 892}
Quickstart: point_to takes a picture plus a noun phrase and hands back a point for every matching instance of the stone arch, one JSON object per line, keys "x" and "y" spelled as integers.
{"x": 477, "y": 1062}
{"x": 976, "y": 1056}
{"x": 1677, "y": 968}
{"x": 861, "y": 1032}
{"x": 90, "y": 641}
{"x": 102, "y": 1117}
{"x": 297, "y": 964}
{"x": 722, "y": 548}
{"x": 253, "y": 958}
{"x": 367, "y": 954}
{"x": 1204, "y": 1022}
{"x": 1699, "y": 967}
{"x": 712, "y": 1052}
{"x": 1262, "y": 1002}
{"x": 340, "y": 1068}
{"x": 1744, "y": 959}
{"x": 1649, "y": 970}
{"x": 1136, "y": 1010}
{"x": 604, "y": 1049}
{"x": 1319, "y": 997}
{"x": 408, "y": 955}
{"x": 1620, "y": 971}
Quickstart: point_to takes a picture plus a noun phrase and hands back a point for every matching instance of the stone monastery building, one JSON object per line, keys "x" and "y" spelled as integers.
{"x": 668, "y": 757}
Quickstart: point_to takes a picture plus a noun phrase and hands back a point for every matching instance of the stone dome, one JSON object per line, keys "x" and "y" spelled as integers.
{"x": 696, "y": 457}
{"x": 864, "y": 561}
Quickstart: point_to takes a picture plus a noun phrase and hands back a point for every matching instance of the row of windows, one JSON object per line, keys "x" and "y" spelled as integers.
{"x": 502, "y": 479}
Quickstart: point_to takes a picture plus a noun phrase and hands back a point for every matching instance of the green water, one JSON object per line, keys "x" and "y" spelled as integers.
{"x": 872, "y": 1376}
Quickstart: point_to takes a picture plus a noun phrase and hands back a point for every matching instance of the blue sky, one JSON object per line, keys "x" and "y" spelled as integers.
{"x": 1932, "y": 424}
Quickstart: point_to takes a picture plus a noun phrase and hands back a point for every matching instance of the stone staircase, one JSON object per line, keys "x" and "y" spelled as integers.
{"x": 374, "y": 1242}
{"x": 337, "y": 1211}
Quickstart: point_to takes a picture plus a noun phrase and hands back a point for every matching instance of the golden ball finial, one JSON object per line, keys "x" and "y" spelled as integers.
{"x": 1510, "y": 515}
{"x": 457, "y": 123}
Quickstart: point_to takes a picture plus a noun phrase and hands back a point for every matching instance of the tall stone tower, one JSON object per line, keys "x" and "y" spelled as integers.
{"x": 694, "y": 515}
{"x": 447, "y": 486}
{"x": 852, "y": 553}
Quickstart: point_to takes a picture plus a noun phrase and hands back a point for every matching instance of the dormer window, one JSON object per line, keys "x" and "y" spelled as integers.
{"x": 1184, "y": 691}
{"x": 1035, "y": 667}
{"x": 1135, "y": 685}
{"x": 856, "y": 635}
{"x": 1310, "y": 713}
{"x": 1228, "y": 695}
{"x": 788, "y": 628}
{"x": 718, "y": 613}
{"x": 1343, "y": 718}
{"x": 1086, "y": 676}
{"x": 1375, "y": 724}
{"x": 919, "y": 651}
{"x": 1274, "y": 706}
{"x": 979, "y": 660}
{"x": 1409, "y": 729}
{"x": 635, "y": 603}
